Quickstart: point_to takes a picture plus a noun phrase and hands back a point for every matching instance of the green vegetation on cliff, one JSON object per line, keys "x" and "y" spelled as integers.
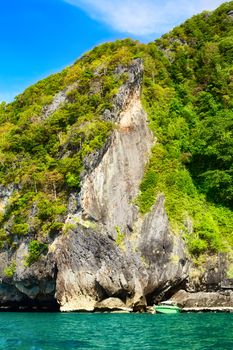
{"x": 191, "y": 116}
{"x": 42, "y": 149}
{"x": 188, "y": 94}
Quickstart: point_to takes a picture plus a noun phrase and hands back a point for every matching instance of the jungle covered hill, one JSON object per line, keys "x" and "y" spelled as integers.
{"x": 49, "y": 133}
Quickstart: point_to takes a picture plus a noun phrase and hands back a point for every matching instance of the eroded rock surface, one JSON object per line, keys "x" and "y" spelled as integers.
{"x": 203, "y": 299}
{"x": 91, "y": 268}
{"x": 109, "y": 189}
{"x": 30, "y": 286}
{"x": 163, "y": 252}
{"x": 5, "y": 194}
{"x": 59, "y": 99}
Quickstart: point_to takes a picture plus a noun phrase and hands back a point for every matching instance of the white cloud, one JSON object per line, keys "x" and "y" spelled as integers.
{"x": 143, "y": 17}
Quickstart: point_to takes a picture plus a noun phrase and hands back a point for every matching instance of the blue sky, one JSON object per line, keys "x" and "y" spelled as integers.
{"x": 40, "y": 37}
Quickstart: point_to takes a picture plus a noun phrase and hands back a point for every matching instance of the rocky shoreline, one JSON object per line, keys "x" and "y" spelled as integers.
{"x": 149, "y": 310}
{"x": 188, "y": 302}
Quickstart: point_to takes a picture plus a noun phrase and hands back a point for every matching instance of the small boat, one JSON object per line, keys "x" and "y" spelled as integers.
{"x": 167, "y": 307}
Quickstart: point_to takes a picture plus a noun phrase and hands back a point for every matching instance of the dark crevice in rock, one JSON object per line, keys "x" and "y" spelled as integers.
{"x": 139, "y": 307}
{"x": 122, "y": 295}
{"x": 100, "y": 291}
{"x": 49, "y": 304}
{"x": 165, "y": 292}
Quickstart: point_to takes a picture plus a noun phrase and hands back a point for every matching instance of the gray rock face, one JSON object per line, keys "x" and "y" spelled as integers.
{"x": 203, "y": 299}
{"x": 91, "y": 268}
{"x": 129, "y": 89}
{"x": 38, "y": 280}
{"x": 163, "y": 251}
{"x": 30, "y": 285}
{"x": 10, "y": 295}
{"x": 213, "y": 276}
{"x": 5, "y": 194}
{"x": 59, "y": 99}
{"x": 110, "y": 188}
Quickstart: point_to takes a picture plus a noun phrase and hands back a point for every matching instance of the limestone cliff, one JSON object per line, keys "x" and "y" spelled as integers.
{"x": 109, "y": 251}
{"x": 116, "y": 177}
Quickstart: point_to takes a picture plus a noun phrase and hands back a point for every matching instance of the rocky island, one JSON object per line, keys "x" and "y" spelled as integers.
{"x": 116, "y": 174}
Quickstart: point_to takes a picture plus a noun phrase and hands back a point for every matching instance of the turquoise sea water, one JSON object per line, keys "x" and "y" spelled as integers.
{"x": 56, "y": 331}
